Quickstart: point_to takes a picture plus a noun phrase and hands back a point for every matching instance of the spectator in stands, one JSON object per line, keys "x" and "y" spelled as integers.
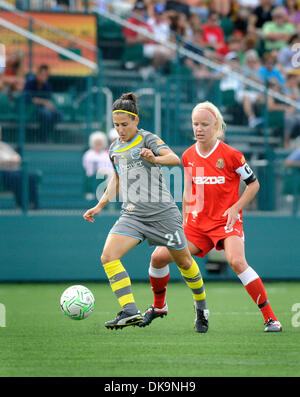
{"x": 291, "y": 87}
{"x": 260, "y": 15}
{"x": 96, "y": 163}
{"x": 199, "y": 7}
{"x": 178, "y": 7}
{"x": 269, "y": 70}
{"x": 221, "y": 7}
{"x": 150, "y": 4}
{"x": 252, "y": 66}
{"x": 38, "y": 92}
{"x": 236, "y": 45}
{"x": 137, "y": 39}
{"x": 247, "y": 96}
{"x": 277, "y": 32}
{"x": 137, "y": 18}
{"x": 250, "y": 41}
{"x": 11, "y": 175}
{"x": 205, "y": 78}
{"x": 199, "y": 70}
{"x": 14, "y": 76}
{"x": 194, "y": 21}
{"x": 292, "y": 10}
{"x": 286, "y": 56}
{"x": 241, "y": 20}
{"x": 159, "y": 24}
{"x": 229, "y": 81}
{"x": 293, "y": 160}
{"x": 291, "y": 117}
{"x": 213, "y": 35}
{"x": 180, "y": 27}
{"x": 249, "y": 4}
{"x": 158, "y": 55}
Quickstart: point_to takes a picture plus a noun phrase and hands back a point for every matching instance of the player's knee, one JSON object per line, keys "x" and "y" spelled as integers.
{"x": 159, "y": 260}
{"x": 106, "y": 257}
{"x": 186, "y": 263}
{"x": 238, "y": 264}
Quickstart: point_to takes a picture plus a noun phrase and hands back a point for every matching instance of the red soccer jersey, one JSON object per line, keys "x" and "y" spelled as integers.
{"x": 214, "y": 181}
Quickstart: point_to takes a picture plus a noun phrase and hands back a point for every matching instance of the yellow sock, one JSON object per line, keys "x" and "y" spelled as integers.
{"x": 121, "y": 285}
{"x": 193, "y": 279}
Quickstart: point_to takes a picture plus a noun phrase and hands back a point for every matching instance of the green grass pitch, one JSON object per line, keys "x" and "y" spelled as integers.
{"x": 39, "y": 340}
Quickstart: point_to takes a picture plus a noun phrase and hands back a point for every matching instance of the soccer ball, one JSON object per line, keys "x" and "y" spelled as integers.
{"x": 77, "y": 302}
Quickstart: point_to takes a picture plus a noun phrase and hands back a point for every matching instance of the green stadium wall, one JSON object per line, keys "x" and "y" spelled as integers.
{"x": 66, "y": 248}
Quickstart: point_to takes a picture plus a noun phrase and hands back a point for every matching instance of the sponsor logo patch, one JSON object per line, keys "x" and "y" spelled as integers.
{"x": 209, "y": 180}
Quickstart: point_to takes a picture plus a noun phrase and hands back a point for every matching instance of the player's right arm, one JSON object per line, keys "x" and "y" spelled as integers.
{"x": 109, "y": 194}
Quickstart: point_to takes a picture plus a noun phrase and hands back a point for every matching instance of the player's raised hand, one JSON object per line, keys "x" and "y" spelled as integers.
{"x": 148, "y": 155}
{"x": 89, "y": 214}
{"x": 232, "y": 216}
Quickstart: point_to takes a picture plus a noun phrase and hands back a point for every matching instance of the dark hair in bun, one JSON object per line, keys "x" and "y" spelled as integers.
{"x": 127, "y": 102}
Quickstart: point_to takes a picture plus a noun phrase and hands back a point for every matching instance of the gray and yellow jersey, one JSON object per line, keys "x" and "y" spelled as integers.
{"x": 142, "y": 186}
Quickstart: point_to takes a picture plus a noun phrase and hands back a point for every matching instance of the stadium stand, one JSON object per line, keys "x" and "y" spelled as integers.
{"x": 84, "y": 99}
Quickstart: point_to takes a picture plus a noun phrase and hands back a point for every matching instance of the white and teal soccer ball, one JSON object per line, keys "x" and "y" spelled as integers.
{"x": 77, "y": 302}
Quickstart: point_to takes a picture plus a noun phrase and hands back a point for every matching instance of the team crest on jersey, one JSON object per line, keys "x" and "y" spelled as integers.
{"x": 135, "y": 153}
{"x": 220, "y": 163}
{"x": 130, "y": 207}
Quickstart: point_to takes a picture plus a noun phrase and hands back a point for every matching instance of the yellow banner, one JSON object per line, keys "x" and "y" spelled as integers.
{"x": 82, "y": 27}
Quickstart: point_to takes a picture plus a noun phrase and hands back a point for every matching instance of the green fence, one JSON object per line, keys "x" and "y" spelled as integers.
{"x": 166, "y": 102}
{"x": 57, "y": 248}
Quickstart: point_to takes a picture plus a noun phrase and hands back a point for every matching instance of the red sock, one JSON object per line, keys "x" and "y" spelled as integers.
{"x": 258, "y": 293}
{"x": 159, "y": 288}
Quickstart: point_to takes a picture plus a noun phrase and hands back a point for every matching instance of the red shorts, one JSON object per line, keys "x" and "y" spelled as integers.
{"x": 205, "y": 241}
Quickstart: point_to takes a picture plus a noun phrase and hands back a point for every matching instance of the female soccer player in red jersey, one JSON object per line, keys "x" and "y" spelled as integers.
{"x": 212, "y": 210}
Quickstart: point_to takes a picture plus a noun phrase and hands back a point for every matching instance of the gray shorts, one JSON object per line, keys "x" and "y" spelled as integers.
{"x": 168, "y": 232}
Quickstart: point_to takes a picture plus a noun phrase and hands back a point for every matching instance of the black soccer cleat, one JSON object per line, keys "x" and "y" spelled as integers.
{"x": 124, "y": 319}
{"x": 201, "y": 321}
{"x": 151, "y": 313}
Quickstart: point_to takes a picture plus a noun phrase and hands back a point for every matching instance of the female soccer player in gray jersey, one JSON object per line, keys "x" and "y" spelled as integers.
{"x": 148, "y": 213}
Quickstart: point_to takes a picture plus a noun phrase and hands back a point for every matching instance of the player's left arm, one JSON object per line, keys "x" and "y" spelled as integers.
{"x": 248, "y": 195}
{"x": 165, "y": 156}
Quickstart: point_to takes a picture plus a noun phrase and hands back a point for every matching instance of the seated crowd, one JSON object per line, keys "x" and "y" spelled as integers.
{"x": 257, "y": 38}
